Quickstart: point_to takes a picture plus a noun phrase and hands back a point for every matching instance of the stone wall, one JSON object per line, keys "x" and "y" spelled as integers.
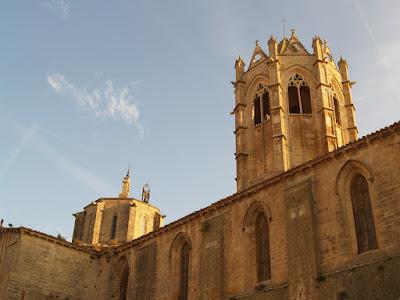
{"x": 42, "y": 268}
{"x": 310, "y": 225}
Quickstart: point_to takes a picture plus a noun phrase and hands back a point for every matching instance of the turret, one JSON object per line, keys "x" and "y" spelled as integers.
{"x": 113, "y": 221}
{"x": 126, "y": 185}
{"x": 317, "y": 48}
{"x": 272, "y": 47}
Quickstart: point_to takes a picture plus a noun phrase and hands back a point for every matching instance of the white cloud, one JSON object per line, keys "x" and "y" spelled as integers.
{"x": 109, "y": 102}
{"x": 59, "y": 7}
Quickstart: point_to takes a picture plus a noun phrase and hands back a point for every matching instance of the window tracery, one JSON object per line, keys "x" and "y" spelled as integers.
{"x": 362, "y": 212}
{"x": 299, "y": 96}
{"x": 261, "y": 105}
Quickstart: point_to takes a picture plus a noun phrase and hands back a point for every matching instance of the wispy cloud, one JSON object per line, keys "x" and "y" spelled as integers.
{"x": 25, "y": 139}
{"x": 60, "y": 7}
{"x": 106, "y": 101}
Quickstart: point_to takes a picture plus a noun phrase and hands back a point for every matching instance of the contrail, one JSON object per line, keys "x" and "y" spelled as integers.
{"x": 26, "y": 138}
{"x": 380, "y": 53}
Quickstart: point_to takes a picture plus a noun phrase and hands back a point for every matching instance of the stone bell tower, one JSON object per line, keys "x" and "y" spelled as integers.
{"x": 291, "y": 106}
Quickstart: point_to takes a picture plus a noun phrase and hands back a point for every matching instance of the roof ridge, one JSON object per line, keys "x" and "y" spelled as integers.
{"x": 222, "y": 202}
{"x": 215, "y": 205}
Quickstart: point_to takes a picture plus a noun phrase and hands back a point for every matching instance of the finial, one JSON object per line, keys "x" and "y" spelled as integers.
{"x": 293, "y": 31}
{"x": 126, "y": 185}
{"x": 258, "y": 43}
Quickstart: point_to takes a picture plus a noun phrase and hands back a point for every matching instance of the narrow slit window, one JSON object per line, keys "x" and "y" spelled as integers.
{"x": 337, "y": 111}
{"x": 262, "y": 248}
{"x": 266, "y": 108}
{"x": 305, "y": 99}
{"x": 294, "y": 106}
{"x": 114, "y": 227}
{"x": 362, "y": 212}
{"x": 257, "y": 111}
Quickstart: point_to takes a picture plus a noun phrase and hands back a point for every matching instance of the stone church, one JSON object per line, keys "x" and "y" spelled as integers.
{"x": 316, "y": 214}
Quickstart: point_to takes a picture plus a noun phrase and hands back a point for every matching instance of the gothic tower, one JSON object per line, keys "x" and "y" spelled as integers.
{"x": 290, "y": 106}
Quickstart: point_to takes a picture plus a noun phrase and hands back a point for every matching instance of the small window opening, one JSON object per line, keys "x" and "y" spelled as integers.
{"x": 363, "y": 217}
{"x": 294, "y": 107}
{"x": 262, "y": 248}
{"x": 257, "y": 111}
{"x": 305, "y": 99}
{"x": 299, "y": 96}
{"x": 261, "y": 105}
{"x": 123, "y": 291}
{"x": 114, "y": 227}
{"x": 266, "y": 110}
{"x": 337, "y": 111}
{"x": 184, "y": 272}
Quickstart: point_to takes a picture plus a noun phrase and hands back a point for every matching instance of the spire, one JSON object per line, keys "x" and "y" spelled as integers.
{"x": 126, "y": 185}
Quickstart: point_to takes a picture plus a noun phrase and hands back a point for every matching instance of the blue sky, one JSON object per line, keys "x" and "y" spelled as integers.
{"x": 90, "y": 87}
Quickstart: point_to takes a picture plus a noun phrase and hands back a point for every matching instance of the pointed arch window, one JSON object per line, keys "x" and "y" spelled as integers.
{"x": 299, "y": 96}
{"x": 362, "y": 212}
{"x": 123, "y": 288}
{"x": 184, "y": 272}
{"x": 336, "y": 108}
{"x": 114, "y": 227}
{"x": 262, "y": 248}
{"x": 261, "y": 105}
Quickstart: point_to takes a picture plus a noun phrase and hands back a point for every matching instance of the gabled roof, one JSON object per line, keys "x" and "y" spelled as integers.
{"x": 258, "y": 56}
{"x": 293, "y": 46}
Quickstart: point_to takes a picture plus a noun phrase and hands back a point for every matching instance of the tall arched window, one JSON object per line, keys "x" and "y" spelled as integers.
{"x": 123, "y": 287}
{"x": 184, "y": 272}
{"x": 262, "y": 248}
{"x": 114, "y": 227}
{"x": 336, "y": 108}
{"x": 299, "y": 96}
{"x": 362, "y": 211}
{"x": 261, "y": 105}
